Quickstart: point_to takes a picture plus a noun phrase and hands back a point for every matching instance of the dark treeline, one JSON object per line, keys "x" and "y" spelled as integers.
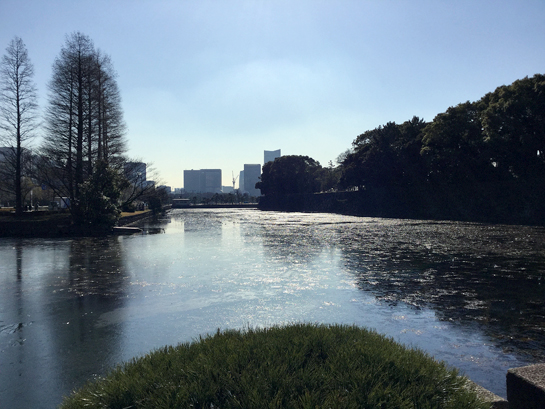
{"x": 478, "y": 161}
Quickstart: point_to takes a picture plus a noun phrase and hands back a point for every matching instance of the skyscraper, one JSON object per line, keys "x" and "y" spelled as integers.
{"x": 241, "y": 182}
{"x": 211, "y": 180}
{"x": 192, "y": 181}
{"x": 270, "y": 156}
{"x": 202, "y": 181}
{"x": 252, "y": 173}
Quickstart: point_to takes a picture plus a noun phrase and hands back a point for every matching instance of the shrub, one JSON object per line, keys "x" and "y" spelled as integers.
{"x": 297, "y": 366}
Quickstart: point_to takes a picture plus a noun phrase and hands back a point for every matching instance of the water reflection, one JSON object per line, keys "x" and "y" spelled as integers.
{"x": 72, "y": 309}
{"x": 96, "y": 268}
{"x": 489, "y": 275}
{"x": 48, "y": 337}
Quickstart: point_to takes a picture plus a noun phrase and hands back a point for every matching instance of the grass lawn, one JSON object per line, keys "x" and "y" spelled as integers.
{"x": 296, "y": 366}
{"x": 138, "y": 212}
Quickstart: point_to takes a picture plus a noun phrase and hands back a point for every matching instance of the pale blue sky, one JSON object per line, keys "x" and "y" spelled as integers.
{"x": 211, "y": 84}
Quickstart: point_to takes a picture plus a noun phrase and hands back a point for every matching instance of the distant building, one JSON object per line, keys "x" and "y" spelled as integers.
{"x": 252, "y": 173}
{"x": 227, "y": 189}
{"x": 135, "y": 172}
{"x": 241, "y": 182}
{"x": 211, "y": 180}
{"x": 202, "y": 181}
{"x": 270, "y": 156}
{"x": 192, "y": 181}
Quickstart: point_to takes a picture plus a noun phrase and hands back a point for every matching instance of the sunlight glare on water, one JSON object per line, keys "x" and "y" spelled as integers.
{"x": 71, "y": 310}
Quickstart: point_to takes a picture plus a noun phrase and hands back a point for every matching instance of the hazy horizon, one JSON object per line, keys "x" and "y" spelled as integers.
{"x": 213, "y": 84}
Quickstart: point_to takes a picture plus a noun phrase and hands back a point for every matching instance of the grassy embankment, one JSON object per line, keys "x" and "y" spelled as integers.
{"x": 297, "y": 366}
{"x": 8, "y": 210}
{"x": 50, "y": 223}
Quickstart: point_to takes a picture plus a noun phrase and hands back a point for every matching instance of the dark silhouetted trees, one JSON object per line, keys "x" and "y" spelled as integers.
{"x": 513, "y": 126}
{"x": 385, "y": 156}
{"x": 482, "y": 160}
{"x": 18, "y": 119}
{"x": 84, "y": 120}
{"x": 454, "y": 147}
{"x": 291, "y": 174}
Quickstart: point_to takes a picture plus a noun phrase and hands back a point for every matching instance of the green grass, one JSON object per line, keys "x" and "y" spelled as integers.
{"x": 297, "y": 366}
{"x": 135, "y": 213}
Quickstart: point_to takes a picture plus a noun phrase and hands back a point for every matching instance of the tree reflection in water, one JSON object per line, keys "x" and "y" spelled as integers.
{"x": 492, "y": 276}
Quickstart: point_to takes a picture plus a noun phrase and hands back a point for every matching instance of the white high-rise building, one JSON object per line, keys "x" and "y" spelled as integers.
{"x": 252, "y": 173}
{"x": 241, "y": 182}
{"x": 270, "y": 156}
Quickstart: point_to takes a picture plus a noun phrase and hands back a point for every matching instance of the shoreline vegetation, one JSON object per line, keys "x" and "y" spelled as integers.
{"x": 481, "y": 161}
{"x": 400, "y": 203}
{"x": 512, "y": 207}
{"x": 295, "y": 366}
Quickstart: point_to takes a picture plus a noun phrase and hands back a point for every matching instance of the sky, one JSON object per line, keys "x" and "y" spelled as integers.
{"x": 211, "y": 84}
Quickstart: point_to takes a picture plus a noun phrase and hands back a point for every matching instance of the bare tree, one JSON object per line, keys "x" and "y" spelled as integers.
{"x": 18, "y": 114}
{"x": 84, "y": 119}
{"x": 110, "y": 125}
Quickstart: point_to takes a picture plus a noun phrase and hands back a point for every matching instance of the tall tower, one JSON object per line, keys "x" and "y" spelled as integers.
{"x": 252, "y": 173}
{"x": 270, "y": 156}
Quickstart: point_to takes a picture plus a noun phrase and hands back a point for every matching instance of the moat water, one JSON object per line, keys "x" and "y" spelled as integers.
{"x": 472, "y": 295}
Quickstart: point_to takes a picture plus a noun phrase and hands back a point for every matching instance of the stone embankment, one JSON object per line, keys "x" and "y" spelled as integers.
{"x": 525, "y": 389}
{"x": 404, "y": 203}
{"x": 34, "y": 224}
{"x": 54, "y": 224}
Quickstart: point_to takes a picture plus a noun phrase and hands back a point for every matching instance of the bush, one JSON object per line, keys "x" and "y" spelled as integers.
{"x": 100, "y": 194}
{"x": 298, "y": 366}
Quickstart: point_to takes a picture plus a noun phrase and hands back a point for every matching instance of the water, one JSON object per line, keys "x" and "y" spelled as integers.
{"x": 70, "y": 310}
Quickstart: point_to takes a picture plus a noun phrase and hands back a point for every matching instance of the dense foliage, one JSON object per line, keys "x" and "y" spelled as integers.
{"x": 482, "y": 160}
{"x": 386, "y": 156}
{"x": 299, "y": 366}
{"x": 100, "y": 200}
{"x": 290, "y": 174}
{"x": 498, "y": 138}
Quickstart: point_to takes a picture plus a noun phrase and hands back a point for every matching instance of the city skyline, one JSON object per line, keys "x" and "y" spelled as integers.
{"x": 212, "y": 85}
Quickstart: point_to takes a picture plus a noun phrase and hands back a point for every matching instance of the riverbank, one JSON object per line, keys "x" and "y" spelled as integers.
{"x": 34, "y": 224}
{"x": 470, "y": 205}
{"x": 219, "y": 206}
{"x": 55, "y": 224}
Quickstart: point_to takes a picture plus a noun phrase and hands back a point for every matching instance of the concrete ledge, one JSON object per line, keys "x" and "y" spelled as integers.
{"x": 496, "y": 402}
{"x": 126, "y": 230}
{"x": 526, "y": 387}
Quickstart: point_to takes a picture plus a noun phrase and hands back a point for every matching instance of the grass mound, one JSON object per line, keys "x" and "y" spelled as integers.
{"x": 297, "y": 366}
